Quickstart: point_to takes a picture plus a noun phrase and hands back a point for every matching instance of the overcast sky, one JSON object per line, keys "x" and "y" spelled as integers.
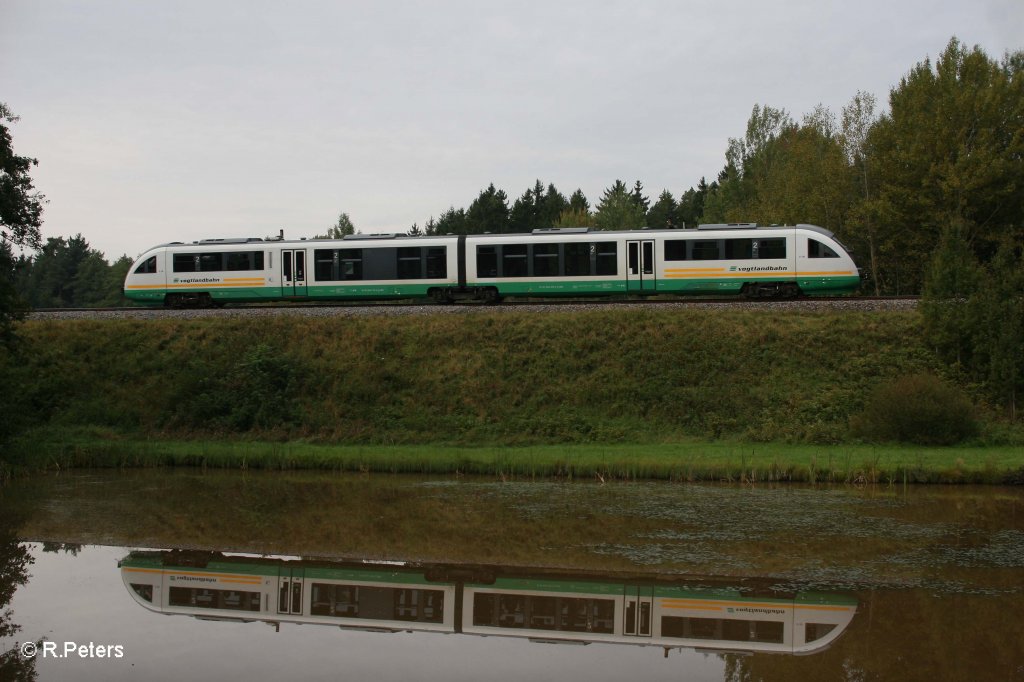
{"x": 175, "y": 121}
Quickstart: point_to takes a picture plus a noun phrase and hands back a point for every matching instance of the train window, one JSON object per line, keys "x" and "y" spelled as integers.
{"x": 146, "y": 267}
{"x": 587, "y": 615}
{"x": 424, "y": 606}
{"x": 675, "y": 249}
{"x": 607, "y": 258}
{"x": 377, "y": 603}
{"x": 350, "y": 264}
{"x": 569, "y": 614}
{"x": 705, "y": 250}
{"x": 410, "y": 262}
{"x": 769, "y": 631}
{"x": 485, "y": 609}
{"x": 513, "y": 261}
{"x": 144, "y": 591}
{"x": 770, "y": 248}
{"x": 234, "y": 600}
{"x": 486, "y": 261}
{"x": 577, "y": 259}
{"x": 739, "y": 249}
{"x": 815, "y": 631}
{"x": 726, "y": 629}
{"x": 543, "y": 613}
{"x": 816, "y": 249}
{"x": 545, "y": 260}
{"x": 325, "y": 265}
{"x": 334, "y": 600}
{"x": 245, "y": 260}
{"x": 211, "y": 262}
{"x": 437, "y": 262}
{"x": 511, "y": 611}
{"x": 737, "y": 630}
{"x": 185, "y": 262}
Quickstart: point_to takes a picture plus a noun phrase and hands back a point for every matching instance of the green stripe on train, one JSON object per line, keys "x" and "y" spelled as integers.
{"x": 528, "y": 287}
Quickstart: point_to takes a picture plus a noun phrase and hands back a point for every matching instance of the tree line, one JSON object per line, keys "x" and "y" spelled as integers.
{"x": 948, "y": 152}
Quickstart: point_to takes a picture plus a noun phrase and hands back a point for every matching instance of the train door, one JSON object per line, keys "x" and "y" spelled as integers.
{"x": 290, "y": 584}
{"x": 293, "y": 272}
{"x": 638, "y": 612}
{"x": 640, "y": 265}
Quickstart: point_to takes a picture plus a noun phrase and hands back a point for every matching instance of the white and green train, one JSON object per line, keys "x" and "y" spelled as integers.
{"x": 473, "y": 600}
{"x": 737, "y": 258}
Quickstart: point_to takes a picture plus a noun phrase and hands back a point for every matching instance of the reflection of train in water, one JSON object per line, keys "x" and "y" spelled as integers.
{"x": 712, "y": 259}
{"x": 544, "y": 607}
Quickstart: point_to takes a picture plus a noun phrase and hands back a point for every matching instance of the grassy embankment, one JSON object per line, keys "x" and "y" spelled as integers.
{"x": 687, "y": 395}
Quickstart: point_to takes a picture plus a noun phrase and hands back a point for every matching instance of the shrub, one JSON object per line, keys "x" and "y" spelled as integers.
{"x": 919, "y": 408}
{"x": 257, "y": 391}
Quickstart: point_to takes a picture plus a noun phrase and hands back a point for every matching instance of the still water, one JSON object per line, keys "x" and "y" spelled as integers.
{"x": 186, "y": 574}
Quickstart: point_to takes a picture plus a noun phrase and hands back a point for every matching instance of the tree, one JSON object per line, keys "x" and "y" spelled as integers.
{"x": 451, "y": 221}
{"x": 974, "y": 315}
{"x": 949, "y": 152}
{"x": 858, "y": 118}
{"x": 537, "y": 208}
{"x": 12, "y": 306}
{"x": 1000, "y": 334}
{"x": 21, "y": 212}
{"x": 340, "y": 229}
{"x": 53, "y": 280}
{"x": 576, "y": 218}
{"x": 578, "y": 202}
{"x": 641, "y": 201}
{"x": 577, "y": 213}
{"x": 618, "y": 210}
{"x": 15, "y": 561}
{"x": 950, "y": 319}
{"x": 663, "y": 213}
{"x": 488, "y": 212}
{"x": 21, "y": 207}
{"x": 68, "y": 273}
{"x": 690, "y": 211}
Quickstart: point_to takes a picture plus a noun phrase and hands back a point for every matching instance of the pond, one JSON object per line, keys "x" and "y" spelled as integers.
{"x": 327, "y": 576}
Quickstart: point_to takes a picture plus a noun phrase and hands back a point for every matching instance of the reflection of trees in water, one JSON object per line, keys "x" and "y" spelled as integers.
{"x": 14, "y": 562}
{"x": 66, "y": 547}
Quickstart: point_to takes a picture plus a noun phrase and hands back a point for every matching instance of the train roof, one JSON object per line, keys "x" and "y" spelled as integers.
{"x": 551, "y": 231}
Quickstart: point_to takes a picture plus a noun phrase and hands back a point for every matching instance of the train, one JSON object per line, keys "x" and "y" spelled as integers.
{"x": 721, "y": 259}
{"x": 541, "y": 605}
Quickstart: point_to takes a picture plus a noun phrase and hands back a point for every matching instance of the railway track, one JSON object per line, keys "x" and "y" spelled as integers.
{"x": 408, "y": 308}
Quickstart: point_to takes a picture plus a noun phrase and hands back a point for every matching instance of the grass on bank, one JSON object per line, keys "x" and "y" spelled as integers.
{"x": 685, "y": 461}
{"x": 730, "y": 395}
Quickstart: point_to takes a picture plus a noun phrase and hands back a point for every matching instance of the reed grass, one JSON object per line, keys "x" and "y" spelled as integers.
{"x": 683, "y": 462}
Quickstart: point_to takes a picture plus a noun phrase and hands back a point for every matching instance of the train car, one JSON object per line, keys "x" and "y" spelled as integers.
{"x": 217, "y": 271}
{"x": 712, "y": 259}
{"x": 216, "y": 586}
{"x": 473, "y": 600}
{"x": 658, "y": 615}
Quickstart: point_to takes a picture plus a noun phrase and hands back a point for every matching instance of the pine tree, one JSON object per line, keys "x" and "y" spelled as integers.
{"x": 663, "y": 213}
{"x": 489, "y": 212}
{"x": 618, "y": 210}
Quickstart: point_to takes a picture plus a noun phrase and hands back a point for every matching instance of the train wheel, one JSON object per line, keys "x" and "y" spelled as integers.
{"x": 791, "y": 290}
{"x": 441, "y": 296}
{"x": 490, "y": 296}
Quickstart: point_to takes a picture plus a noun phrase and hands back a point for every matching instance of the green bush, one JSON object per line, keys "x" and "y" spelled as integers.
{"x": 258, "y": 390}
{"x": 919, "y": 408}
